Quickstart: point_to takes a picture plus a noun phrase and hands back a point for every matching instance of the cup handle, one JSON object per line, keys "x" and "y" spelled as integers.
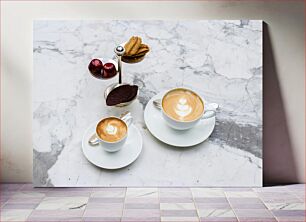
{"x": 93, "y": 140}
{"x": 127, "y": 118}
{"x": 209, "y": 114}
{"x": 210, "y": 111}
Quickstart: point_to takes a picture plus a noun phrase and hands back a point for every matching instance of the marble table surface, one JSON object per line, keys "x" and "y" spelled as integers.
{"x": 221, "y": 59}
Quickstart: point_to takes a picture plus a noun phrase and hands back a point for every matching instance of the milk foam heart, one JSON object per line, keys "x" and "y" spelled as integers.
{"x": 112, "y": 130}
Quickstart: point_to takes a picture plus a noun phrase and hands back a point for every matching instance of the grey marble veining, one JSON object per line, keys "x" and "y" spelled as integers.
{"x": 222, "y": 60}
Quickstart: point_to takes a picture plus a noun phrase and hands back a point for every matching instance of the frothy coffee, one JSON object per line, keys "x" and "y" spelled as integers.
{"x": 182, "y": 105}
{"x": 111, "y": 129}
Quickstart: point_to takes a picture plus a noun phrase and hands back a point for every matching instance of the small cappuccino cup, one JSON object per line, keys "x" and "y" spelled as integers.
{"x": 111, "y": 132}
{"x": 182, "y": 108}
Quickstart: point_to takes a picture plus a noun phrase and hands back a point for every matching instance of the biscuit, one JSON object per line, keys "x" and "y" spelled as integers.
{"x": 143, "y": 48}
{"x": 138, "y": 55}
{"x": 129, "y": 45}
{"x": 135, "y": 47}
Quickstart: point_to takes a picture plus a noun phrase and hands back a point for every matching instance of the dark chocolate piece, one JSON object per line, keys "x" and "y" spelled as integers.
{"x": 121, "y": 94}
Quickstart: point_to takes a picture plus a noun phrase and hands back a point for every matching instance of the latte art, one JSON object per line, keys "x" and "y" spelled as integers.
{"x": 111, "y": 129}
{"x": 182, "y": 105}
{"x": 182, "y": 109}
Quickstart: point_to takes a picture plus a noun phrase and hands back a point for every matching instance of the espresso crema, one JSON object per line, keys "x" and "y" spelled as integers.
{"x": 182, "y": 105}
{"x": 111, "y": 129}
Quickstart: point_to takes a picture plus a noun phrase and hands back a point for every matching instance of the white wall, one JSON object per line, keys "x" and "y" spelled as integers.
{"x": 286, "y": 32}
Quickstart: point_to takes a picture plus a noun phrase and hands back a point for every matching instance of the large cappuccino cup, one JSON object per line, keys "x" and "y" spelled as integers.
{"x": 182, "y": 108}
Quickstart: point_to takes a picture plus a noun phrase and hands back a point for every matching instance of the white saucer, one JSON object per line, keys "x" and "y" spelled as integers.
{"x": 180, "y": 138}
{"x": 122, "y": 158}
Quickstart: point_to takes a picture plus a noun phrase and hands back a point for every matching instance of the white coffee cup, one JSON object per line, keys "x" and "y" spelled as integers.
{"x": 187, "y": 124}
{"x": 112, "y": 146}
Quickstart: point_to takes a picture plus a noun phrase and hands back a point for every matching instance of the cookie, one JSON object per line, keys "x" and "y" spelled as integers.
{"x": 135, "y": 47}
{"x": 143, "y": 48}
{"x": 129, "y": 45}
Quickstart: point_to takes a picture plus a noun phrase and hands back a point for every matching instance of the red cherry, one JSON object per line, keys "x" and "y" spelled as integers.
{"x": 96, "y": 68}
{"x": 109, "y": 70}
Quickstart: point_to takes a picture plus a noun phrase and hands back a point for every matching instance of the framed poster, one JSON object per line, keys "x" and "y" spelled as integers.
{"x": 220, "y": 60}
